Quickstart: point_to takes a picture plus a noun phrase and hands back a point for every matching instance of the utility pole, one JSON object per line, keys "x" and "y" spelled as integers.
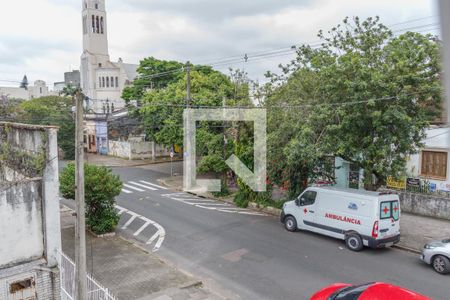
{"x": 188, "y": 164}
{"x": 80, "y": 231}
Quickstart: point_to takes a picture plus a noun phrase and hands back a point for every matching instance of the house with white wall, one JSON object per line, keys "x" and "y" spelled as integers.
{"x": 431, "y": 163}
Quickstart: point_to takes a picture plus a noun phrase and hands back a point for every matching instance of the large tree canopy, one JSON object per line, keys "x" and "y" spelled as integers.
{"x": 52, "y": 110}
{"x": 364, "y": 95}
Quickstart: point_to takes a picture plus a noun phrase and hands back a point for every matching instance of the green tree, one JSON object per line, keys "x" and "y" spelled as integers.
{"x": 52, "y": 110}
{"x": 101, "y": 186}
{"x": 365, "y": 96}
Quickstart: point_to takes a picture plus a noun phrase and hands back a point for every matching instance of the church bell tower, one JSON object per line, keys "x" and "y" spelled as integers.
{"x": 95, "y": 39}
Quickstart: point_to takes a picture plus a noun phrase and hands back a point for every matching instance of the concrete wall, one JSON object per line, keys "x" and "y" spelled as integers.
{"x": 30, "y": 233}
{"x": 137, "y": 150}
{"x": 424, "y": 205}
{"x": 22, "y": 234}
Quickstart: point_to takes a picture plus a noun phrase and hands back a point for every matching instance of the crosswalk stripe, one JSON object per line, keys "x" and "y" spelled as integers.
{"x": 133, "y": 216}
{"x": 133, "y": 188}
{"x": 158, "y": 186}
{"x": 127, "y": 191}
{"x": 141, "y": 185}
{"x": 210, "y": 204}
{"x": 142, "y": 228}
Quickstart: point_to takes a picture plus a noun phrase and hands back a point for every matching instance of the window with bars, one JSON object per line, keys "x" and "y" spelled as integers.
{"x": 434, "y": 164}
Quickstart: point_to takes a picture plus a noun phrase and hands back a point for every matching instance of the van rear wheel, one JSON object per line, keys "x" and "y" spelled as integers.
{"x": 354, "y": 242}
{"x": 290, "y": 223}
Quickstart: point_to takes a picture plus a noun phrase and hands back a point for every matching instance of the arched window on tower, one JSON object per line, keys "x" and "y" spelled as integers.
{"x": 103, "y": 81}
{"x": 112, "y": 81}
{"x": 107, "y": 81}
{"x": 101, "y": 25}
{"x": 98, "y": 24}
{"x": 93, "y": 23}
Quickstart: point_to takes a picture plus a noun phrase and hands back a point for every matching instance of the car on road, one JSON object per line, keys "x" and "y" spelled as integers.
{"x": 361, "y": 218}
{"x": 437, "y": 254}
{"x": 367, "y": 291}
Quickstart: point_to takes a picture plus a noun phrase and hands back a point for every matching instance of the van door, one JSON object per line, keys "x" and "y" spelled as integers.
{"x": 307, "y": 204}
{"x": 389, "y": 218}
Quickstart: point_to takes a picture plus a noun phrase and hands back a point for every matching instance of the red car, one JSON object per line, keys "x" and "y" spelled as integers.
{"x": 368, "y": 291}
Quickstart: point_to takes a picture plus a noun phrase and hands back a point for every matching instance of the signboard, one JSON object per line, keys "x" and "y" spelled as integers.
{"x": 171, "y": 154}
{"x": 396, "y": 183}
{"x": 413, "y": 182}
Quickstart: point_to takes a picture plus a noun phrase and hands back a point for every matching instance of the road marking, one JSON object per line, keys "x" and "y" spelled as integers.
{"x": 144, "y": 186}
{"x": 160, "y": 231}
{"x": 127, "y": 191}
{"x": 133, "y": 216}
{"x": 141, "y": 228}
{"x": 158, "y": 186}
{"x": 211, "y": 204}
{"x": 133, "y": 188}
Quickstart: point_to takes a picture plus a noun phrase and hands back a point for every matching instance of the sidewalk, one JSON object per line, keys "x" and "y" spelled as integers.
{"x": 111, "y": 161}
{"x": 416, "y": 230}
{"x": 129, "y": 271}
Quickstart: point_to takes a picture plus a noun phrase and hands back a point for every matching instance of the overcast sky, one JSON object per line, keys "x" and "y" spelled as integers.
{"x": 42, "y": 38}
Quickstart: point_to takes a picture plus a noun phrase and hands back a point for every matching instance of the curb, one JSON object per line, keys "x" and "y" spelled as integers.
{"x": 408, "y": 249}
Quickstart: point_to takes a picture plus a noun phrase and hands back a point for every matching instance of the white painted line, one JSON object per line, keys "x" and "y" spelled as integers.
{"x": 172, "y": 194}
{"x": 160, "y": 234}
{"x": 127, "y": 191}
{"x": 133, "y": 216}
{"x": 142, "y": 228}
{"x": 133, "y": 188}
{"x": 158, "y": 186}
{"x": 141, "y": 185}
{"x": 192, "y": 199}
{"x": 210, "y": 204}
{"x": 251, "y": 213}
{"x": 211, "y": 208}
{"x": 121, "y": 210}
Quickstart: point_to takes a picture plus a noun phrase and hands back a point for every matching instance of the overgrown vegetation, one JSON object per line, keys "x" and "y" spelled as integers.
{"x": 101, "y": 187}
{"x": 51, "y": 110}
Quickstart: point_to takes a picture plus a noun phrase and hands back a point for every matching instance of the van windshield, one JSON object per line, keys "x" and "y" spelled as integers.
{"x": 389, "y": 209}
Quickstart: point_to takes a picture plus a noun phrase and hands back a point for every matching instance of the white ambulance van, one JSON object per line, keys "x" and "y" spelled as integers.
{"x": 361, "y": 218}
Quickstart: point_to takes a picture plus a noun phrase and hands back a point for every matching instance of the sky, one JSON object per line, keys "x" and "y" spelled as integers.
{"x": 43, "y": 38}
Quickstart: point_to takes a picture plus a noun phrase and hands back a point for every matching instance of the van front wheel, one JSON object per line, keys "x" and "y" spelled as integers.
{"x": 354, "y": 242}
{"x": 290, "y": 223}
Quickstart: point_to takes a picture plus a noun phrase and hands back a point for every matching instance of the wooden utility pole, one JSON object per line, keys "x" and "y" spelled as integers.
{"x": 80, "y": 231}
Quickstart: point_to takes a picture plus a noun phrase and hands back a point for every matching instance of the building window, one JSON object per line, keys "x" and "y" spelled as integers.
{"x": 112, "y": 81}
{"x": 101, "y": 25}
{"x": 107, "y": 81}
{"x": 103, "y": 81}
{"x": 98, "y": 24}
{"x": 434, "y": 164}
{"x": 93, "y": 23}
{"x": 117, "y": 81}
{"x": 40, "y": 90}
{"x": 96, "y": 5}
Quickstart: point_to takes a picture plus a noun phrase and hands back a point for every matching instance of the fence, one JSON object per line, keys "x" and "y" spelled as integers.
{"x": 67, "y": 270}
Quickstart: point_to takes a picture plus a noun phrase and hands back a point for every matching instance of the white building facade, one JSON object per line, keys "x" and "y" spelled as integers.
{"x": 39, "y": 89}
{"x": 102, "y": 80}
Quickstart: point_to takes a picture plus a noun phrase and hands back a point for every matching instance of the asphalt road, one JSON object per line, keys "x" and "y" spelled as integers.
{"x": 253, "y": 256}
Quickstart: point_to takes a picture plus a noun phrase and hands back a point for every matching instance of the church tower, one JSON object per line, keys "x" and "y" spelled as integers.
{"x": 95, "y": 39}
{"x": 95, "y": 45}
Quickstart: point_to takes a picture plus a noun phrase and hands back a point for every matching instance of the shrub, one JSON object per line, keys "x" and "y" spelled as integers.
{"x": 101, "y": 186}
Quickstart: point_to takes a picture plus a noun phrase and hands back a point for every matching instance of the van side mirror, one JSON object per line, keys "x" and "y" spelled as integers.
{"x": 297, "y": 202}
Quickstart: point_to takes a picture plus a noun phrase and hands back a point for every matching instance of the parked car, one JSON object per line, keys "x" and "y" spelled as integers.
{"x": 368, "y": 291}
{"x": 361, "y": 218}
{"x": 437, "y": 254}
